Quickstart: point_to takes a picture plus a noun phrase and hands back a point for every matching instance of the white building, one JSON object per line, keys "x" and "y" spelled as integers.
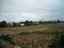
{"x": 22, "y": 24}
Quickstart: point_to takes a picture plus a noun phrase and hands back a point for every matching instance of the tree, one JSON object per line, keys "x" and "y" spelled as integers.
{"x": 40, "y": 22}
{"x": 14, "y": 24}
{"x": 27, "y": 23}
{"x": 58, "y": 21}
{"x": 31, "y": 22}
{"x": 0, "y": 24}
{"x": 58, "y": 41}
{"x": 3, "y": 24}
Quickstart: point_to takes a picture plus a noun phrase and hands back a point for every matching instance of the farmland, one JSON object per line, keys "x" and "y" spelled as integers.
{"x": 38, "y": 36}
{"x": 44, "y": 28}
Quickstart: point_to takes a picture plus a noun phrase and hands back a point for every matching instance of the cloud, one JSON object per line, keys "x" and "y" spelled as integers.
{"x": 21, "y": 10}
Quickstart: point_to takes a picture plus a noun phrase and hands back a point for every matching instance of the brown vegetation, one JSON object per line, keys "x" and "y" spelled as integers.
{"x": 32, "y": 40}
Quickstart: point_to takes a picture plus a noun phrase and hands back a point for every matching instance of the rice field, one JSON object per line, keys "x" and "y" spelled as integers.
{"x": 38, "y": 36}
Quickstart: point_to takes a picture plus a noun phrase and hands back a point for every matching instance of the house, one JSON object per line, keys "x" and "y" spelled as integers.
{"x": 10, "y": 24}
{"x": 22, "y": 23}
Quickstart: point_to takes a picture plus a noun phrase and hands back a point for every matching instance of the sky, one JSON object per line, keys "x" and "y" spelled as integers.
{"x": 35, "y": 10}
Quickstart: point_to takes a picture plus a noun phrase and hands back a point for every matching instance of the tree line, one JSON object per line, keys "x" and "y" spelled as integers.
{"x": 5, "y": 24}
{"x": 28, "y": 23}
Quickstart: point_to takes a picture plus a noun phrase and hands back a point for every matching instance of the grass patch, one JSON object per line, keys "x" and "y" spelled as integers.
{"x": 38, "y": 29}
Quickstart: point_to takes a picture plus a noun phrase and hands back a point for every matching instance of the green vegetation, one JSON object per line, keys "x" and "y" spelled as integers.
{"x": 45, "y": 28}
{"x": 5, "y": 39}
{"x": 3, "y": 24}
{"x": 35, "y": 36}
{"x": 58, "y": 41}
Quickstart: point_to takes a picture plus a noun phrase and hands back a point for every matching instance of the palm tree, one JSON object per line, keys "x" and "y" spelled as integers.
{"x": 5, "y": 39}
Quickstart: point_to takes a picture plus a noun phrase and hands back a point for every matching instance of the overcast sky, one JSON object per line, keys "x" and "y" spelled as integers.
{"x": 35, "y": 10}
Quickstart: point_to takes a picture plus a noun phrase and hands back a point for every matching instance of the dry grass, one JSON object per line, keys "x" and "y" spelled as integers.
{"x": 33, "y": 40}
{"x": 38, "y": 36}
{"x": 36, "y": 28}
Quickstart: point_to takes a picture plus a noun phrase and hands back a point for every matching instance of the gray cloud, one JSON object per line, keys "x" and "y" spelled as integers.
{"x": 21, "y": 10}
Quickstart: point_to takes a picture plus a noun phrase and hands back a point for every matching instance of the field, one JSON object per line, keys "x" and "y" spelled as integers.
{"x": 38, "y": 36}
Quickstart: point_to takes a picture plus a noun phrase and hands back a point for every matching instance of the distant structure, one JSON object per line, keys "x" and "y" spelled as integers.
{"x": 28, "y": 23}
{"x": 60, "y": 22}
{"x": 10, "y": 24}
{"x": 22, "y": 23}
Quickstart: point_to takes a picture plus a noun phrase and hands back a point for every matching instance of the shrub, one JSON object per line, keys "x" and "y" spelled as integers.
{"x": 58, "y": 41}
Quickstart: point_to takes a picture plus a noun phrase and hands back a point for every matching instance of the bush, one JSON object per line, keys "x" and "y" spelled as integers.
{"x": 3, "y": 24}
{"x": 58, "y": 41}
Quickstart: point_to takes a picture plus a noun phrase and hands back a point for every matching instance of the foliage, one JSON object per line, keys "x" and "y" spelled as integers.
{"x": 14, "y": 24}
{"x": 40, "y": 22}
{"x": 58, "y": 41}
{"x": 58, "y": 21}
{"x": 31, "y": 22}
{"x": 6, "y": 39}
{"x": 27, "y": 23}
{"x": 3, "y": 24}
